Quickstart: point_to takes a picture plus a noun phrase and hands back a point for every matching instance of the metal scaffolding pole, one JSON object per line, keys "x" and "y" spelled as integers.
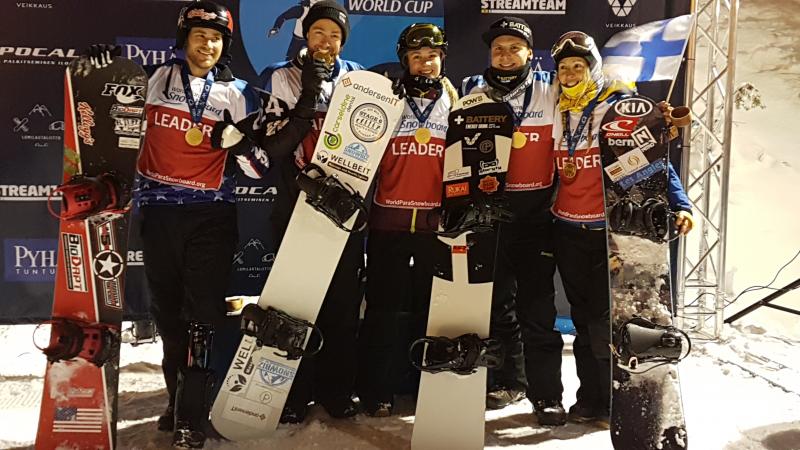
{"x": 705, "y": 166}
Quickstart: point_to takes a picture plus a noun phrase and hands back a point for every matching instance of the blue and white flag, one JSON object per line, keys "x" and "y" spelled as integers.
{"x": 649, "y": 52}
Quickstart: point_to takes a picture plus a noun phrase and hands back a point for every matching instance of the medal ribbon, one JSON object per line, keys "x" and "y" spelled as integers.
{"x": 573, "y": 138}
{"x": 525, "y": 103}
{"x": 196, "y": 108}
{"x": 422, "y": 116}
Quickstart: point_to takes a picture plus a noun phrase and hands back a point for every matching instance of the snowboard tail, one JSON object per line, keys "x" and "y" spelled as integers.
{"x": 104, "y": 110}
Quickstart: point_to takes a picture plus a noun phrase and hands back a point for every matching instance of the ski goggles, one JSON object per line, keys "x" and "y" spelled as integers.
{"x": 575, "y": 39}
{"x": 424, "y": 35}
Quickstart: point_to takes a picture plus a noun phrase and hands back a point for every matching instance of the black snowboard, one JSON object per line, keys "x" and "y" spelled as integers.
{"x": 646, "y": 407}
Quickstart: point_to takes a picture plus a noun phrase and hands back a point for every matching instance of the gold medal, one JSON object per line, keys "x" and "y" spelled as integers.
{"x": 324, "y": 57}
{"x": 423, "y": 135}
{"x": 570, "y": 169}
{"x": 193, "y": 136}
{"x": 518, "y": 139}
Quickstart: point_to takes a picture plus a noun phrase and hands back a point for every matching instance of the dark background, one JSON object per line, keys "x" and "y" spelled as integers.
{"x": 38, "y": 39}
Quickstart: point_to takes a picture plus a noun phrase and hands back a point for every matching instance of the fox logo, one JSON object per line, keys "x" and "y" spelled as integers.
{"x": 125, "y": 93}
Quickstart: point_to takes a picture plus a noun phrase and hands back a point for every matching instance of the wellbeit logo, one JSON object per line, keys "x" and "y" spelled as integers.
{"x": 30, "y": 260}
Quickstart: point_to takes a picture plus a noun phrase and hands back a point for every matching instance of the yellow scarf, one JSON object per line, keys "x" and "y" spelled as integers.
{"x": 577, "y": 97}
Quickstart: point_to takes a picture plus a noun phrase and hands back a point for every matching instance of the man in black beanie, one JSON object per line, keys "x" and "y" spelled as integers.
{"x": 327, "y": 9}
{"x": 306, "y": 83}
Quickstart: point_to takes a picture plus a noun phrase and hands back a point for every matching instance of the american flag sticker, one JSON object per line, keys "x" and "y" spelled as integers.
{"x": 78, "y": 420}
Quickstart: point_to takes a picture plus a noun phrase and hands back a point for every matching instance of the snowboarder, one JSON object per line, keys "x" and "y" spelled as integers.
{"x": 298, "y": 13}
{"x": 402, "y": 221}
{"x": 306, "y": 84}
{"x": 523, "y": 310}
{"x": 579, "y": 234}
{"x": 186, "y": 194}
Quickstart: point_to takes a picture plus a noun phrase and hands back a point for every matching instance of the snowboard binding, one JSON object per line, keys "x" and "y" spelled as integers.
{"x": 94, "y": 342}
{"x": 462, "y": 355}
{"x": 478, "y": 214}
{"x": 337, "y": 200}
{"x": 275, "y": 328}
{"x": 84, "y": 196}
{"x": 639, "y": 341}
{"x": 651, "y": 219}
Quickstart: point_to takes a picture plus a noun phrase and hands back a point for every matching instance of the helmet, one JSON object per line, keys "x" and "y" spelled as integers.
{"x": 576, "y": 43}
{"x": 418, "y": 35}
{"x": 209, "y": 15}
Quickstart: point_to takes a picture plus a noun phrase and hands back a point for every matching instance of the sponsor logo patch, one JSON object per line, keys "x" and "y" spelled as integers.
{"x": 368, "y": 122}
{"x": 356, "y": 150}
{"x": 488, "y": 184}
{"x": 274, "y": 374}
{"x": 74, "y": 262}
{"x": 457, "y": 190}
{"x": 633, "y": 107}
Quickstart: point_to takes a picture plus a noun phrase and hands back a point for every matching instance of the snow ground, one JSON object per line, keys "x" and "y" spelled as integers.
{"x": 765, "y": 165}
{"x": 740, "y": 393}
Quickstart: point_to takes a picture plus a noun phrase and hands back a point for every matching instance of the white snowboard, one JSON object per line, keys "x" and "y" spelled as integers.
{"x": 450, "y": 407}
{"x": 361, "y": 117}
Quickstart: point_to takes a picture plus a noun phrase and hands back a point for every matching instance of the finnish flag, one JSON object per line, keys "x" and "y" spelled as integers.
{"x": 649, "y": 52}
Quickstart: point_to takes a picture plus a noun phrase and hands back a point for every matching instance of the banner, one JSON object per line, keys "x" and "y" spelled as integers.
{"x": 38, "y": 39}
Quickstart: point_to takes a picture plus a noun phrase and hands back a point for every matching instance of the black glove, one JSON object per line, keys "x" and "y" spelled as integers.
{"x": 236, "y": 138}
{"x": 313, "y": 74}
{"x": 398, "y": 88}
{"x": 101, "y": 55}
{"x": 306, "y": 106}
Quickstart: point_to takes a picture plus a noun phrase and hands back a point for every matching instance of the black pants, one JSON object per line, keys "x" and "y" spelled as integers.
{"x": 188, "y": 251}
{"x": 330, "y": 374}
{"x": 582, "y": 261}
{"x": 524, "y": 313}
{"x": 398, "y": 300}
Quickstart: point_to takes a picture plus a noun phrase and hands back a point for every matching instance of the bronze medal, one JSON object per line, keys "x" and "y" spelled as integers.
{"x": 423, "y": 135}
{"x": 193, "y": 136}
{"x": 570, "y": 169}
{"x": 518, "y": 139}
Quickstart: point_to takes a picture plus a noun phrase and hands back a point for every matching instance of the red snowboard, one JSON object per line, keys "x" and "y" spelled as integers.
{"x": 103, "y": 118}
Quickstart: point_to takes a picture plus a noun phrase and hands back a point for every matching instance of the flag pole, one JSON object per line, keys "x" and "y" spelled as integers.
{"x": 675, "y": 78}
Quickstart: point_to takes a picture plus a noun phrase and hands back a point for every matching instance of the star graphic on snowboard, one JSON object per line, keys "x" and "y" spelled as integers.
{"x": 108, "y": 265}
